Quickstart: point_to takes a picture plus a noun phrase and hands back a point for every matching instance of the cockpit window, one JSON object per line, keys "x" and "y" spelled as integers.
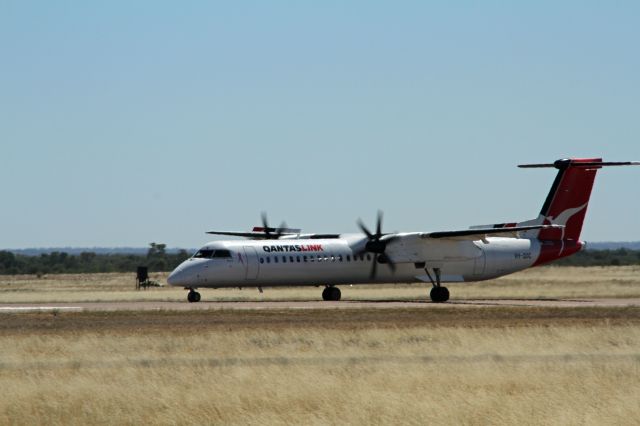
{"x": 203, "y": 254}
{"x": 222, "y": 254}
{"x": 206, "y": 253}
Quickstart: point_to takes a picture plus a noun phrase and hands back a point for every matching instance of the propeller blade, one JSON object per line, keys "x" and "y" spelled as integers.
{"x": 377, "y": 244}
{"x": 379, "y": 225}
{"x": 364, "y": 229}
{"x": 265, "y": 224}
{"x": 383, "y": 258}
{"x": 280, "y": 230}
{"x": 392, "y": 265}
{"x": 374, "y": 269}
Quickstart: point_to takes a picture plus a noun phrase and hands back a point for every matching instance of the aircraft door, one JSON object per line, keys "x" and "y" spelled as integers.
{"x": 252, "y": 266}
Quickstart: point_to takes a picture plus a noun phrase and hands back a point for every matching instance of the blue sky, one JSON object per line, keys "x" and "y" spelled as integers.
{"x": 123, "y": 123}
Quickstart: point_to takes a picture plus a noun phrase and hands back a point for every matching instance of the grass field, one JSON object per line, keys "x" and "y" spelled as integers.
{"x": 451, "y": 365}
{"x": 545, "y": 282}
{"x": 499, "y": 366}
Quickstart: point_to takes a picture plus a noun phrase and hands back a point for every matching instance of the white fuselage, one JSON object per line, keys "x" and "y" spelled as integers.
{"x": 287, "y": 262}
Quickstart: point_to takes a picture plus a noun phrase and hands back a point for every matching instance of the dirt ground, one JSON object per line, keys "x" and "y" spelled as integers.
{"x": 339, "y": 319}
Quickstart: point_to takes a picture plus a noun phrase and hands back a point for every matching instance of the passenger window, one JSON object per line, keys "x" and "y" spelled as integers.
{"x": 333, "y": 258}
{"x": 284, "y": 259}
{"x": 261, "y": 260}
{"x": 298, "y": 259}
{"x": 340, "y": 257}
{"x": 368, "y": 257}
{"x": 348, "y": 258}
{"x": 268, "y": 260}
{"x": 275, "y": 259}
{"x": 291, "y": 259}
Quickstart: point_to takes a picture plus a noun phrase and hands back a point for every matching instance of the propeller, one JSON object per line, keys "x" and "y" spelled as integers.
{"x": 268, "y": 231}
{"x": 377, "y": 245}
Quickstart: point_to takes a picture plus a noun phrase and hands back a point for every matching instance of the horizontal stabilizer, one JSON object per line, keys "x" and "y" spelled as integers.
{"x": 563, "y": 164}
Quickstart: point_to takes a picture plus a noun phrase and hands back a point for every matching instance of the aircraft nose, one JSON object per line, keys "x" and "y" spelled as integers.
{"x": 177, "y": 277}
{"x": 186, "y": 275}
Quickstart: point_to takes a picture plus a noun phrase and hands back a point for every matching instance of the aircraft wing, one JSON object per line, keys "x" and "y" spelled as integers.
{"x": 261, "y": 235}
{"x": 253, "y": 235}
{"x": 446, "y": 246}
{"x": 481, "y": 233}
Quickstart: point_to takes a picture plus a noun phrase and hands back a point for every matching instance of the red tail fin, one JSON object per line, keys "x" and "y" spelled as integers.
{"x": 568, "y": 198}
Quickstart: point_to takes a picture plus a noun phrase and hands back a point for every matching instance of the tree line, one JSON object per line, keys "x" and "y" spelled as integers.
{"x": 158, "y": 260}
{"x": 617, "y": 257}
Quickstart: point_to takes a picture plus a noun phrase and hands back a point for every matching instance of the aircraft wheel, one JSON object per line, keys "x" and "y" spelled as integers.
{"x": 193, "y": 296}
{"x": 325, "y": 293}
{"x": 439, "y": 294}
{"x": 331, "y": 293}
{"x": 335, "y": 293}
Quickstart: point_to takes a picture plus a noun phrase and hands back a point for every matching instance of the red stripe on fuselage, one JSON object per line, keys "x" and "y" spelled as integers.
{"x": 554, "y": 250}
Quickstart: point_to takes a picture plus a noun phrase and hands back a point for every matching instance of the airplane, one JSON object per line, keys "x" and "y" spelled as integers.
{"x": 286, "y": 257}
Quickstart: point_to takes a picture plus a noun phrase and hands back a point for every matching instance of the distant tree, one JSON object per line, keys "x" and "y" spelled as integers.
{"x": 8, "y": 263}
{"x": 156, "y": 250}
{"x": 7, "y": 259}
{"x": 87, "y": 257}
{"x": 182, "y": 256}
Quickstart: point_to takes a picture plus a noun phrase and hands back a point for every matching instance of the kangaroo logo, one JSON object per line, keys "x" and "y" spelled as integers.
{"x": 564, "y": 217}
{"x": 562, "y": 220}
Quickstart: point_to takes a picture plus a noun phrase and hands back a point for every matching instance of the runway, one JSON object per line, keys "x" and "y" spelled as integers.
{"x": 311, "y": 305}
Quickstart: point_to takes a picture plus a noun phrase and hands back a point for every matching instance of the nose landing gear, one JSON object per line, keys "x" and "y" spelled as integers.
{"x": 193, "y": 296}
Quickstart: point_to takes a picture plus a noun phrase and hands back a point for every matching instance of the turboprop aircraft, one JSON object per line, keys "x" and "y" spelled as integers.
{"x": 286, "y": 257}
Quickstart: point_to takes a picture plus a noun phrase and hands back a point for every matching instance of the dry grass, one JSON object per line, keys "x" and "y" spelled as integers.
{"x": 500, "y": 365}
{"x": 227, "y": 370}
{"x": 545, "y": 282}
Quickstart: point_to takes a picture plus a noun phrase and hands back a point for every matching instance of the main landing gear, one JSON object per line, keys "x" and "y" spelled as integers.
{"x": 438, "y": 293}
{"x": 193, "y": 296}
{"x": 331, "y": 293}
